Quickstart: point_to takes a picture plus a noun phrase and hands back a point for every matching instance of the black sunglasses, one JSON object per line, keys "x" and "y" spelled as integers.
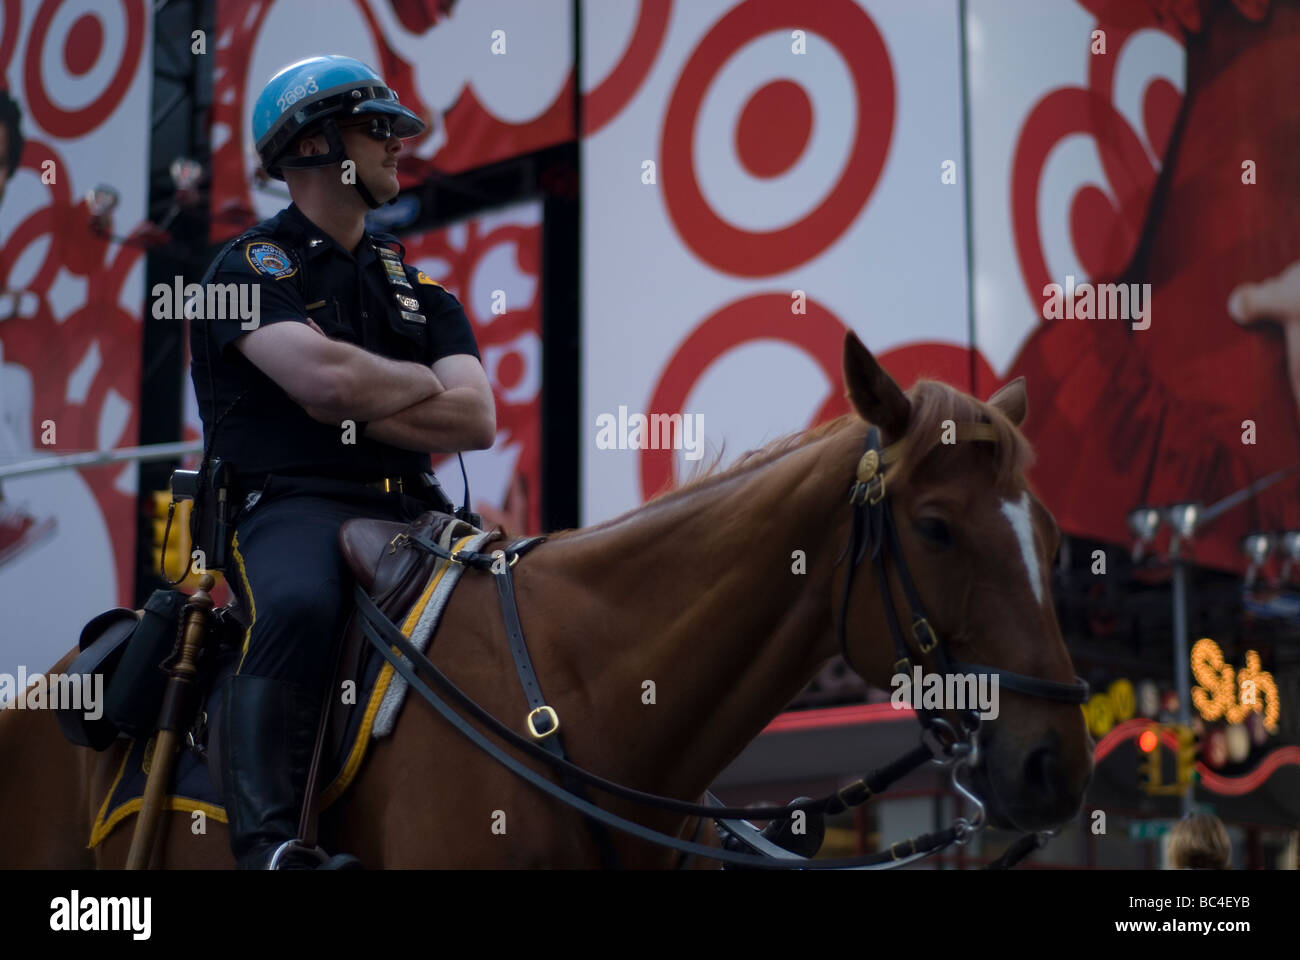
{"x": 377, "y": 128}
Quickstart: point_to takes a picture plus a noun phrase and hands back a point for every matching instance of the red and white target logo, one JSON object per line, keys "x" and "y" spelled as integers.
{"x": 80, "y": 64}
{"x": 819, "y": 334}
{"x": 769, "y": 154}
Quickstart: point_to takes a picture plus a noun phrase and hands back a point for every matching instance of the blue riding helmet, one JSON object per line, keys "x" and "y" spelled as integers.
{"x": 322, "y": 89}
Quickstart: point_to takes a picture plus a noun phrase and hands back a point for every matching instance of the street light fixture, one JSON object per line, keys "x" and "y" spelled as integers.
{"x": 101, "y": 200}
{"x": 1256, "y": 547}
{"x": 185, "y": 173}
{"x": 1182, "y": 519}
{"x": 1289, "y": 546}
{"x": 1143, "y": 522}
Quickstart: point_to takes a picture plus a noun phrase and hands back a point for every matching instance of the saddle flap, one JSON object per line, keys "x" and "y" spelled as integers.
{"x": 380, "y": 567}
{"x": 363, "y": 543}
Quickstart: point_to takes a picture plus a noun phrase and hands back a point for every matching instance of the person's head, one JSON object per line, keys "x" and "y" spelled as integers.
{"x": 11, "y": 138}
{"x": 1199, "y": 842}
{"x": 315, "y": 114}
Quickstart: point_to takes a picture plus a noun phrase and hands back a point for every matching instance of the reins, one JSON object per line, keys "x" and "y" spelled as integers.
{"x": 872, "y": 527}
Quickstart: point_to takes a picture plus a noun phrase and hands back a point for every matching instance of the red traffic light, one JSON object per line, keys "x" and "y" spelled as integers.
{"x": 1148, "y": 741}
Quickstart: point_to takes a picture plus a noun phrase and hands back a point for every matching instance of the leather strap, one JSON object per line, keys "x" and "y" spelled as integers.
{"x": 1076, "y": 692}
{"x": 547, "y": 732}
{"x": 925, "y": 843}
{"x": 856, "y": 793}
{"x": 546, "y": 726}
{"x": 542, "y": 720}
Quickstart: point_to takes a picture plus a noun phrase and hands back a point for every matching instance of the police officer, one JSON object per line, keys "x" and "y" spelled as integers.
{"x": 327, "y": 403}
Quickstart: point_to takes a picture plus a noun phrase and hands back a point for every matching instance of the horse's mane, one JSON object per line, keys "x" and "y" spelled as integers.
{"x": 932, "y": 403}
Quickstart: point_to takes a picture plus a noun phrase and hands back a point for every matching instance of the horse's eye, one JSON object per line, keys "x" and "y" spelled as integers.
{"x": 935, "y": 531}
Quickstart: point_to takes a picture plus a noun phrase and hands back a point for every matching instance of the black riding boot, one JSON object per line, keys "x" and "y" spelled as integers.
{"x": 268, "y": 729}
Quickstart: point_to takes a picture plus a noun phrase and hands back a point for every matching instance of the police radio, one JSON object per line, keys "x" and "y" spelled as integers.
{"x": 212, "y": 492}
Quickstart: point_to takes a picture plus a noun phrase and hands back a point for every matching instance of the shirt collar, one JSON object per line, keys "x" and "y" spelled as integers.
{"x": 313, "y": 241}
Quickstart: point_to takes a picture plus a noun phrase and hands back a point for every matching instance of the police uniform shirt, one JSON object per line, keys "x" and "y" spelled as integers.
{"x": 300, "y": 272}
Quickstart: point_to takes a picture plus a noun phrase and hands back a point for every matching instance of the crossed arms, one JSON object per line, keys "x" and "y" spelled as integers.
{"x": 445, "y": 408}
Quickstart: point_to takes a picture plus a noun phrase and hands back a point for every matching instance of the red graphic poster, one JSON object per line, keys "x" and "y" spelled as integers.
{"x": 75, "y": 106}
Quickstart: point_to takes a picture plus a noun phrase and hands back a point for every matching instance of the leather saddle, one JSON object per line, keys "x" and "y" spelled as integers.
{"x": 393, "y": 575}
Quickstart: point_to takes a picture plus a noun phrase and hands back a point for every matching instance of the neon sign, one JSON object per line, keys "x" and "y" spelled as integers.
{"x": 1232, "y": 694}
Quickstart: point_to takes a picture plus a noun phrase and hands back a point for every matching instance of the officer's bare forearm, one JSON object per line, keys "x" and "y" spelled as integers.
{"x": 370, "y": 387}
{"x": 454, "y": 420}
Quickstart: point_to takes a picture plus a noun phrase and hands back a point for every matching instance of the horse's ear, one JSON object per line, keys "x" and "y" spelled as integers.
{"x": 872, "y": 391}
{"x": 1012, "y": 400}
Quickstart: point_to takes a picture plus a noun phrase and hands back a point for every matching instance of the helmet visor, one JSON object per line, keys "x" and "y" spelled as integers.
{"x": 402, "y": 121}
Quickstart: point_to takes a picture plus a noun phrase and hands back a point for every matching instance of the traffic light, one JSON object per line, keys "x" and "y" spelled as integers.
{"x": 1149, "y": 761}
{"x": 1185, "y": 764}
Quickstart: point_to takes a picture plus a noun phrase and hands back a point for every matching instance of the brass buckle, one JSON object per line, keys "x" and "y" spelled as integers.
{"x": 398, "y": 541}
{"x": 893, "y": 852}
{"x": 388, "y": 484}
{"x": 928, "y": 630}
{"x": 862, "y": 491}
{"x": 546, "y": 712}
{"x": 501, "y": 555}
{"x": 879, "y": 482}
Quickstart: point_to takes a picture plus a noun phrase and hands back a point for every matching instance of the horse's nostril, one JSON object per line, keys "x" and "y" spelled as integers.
{"x": 1044, "y": 774}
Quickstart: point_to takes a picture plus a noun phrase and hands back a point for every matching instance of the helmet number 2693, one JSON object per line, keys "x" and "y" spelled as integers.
{"x": 294, "y": 94}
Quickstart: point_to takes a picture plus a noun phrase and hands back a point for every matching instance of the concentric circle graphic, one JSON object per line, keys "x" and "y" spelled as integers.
{"x": 848, "y": 28}
{"x": 614, "y": 92}
{"x": 79, "y": 51}
{"x": 766, "y": 316}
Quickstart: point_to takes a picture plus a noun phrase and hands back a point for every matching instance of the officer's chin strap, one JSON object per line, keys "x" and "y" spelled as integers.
{"x": 366, "y": 195}
{"x": 335, "y": 155}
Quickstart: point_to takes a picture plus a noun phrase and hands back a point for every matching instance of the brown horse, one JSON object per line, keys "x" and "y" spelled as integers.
{"x": 700, "y": 592}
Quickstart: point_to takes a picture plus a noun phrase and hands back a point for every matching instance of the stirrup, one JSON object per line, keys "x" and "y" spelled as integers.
{"x": 295, "y": 846}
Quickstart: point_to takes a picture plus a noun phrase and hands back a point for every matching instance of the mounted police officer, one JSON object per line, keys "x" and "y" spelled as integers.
{"x": 325, "y": 406}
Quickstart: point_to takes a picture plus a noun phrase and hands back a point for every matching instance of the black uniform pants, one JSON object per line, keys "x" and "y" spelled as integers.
{"x": 291, "y": 577}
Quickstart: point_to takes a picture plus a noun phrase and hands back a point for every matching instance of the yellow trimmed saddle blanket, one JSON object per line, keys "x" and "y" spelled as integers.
{"x": 380, "y": 694}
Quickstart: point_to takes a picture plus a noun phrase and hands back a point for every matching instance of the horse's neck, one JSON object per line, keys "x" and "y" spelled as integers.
{"x": 708, "y": 599}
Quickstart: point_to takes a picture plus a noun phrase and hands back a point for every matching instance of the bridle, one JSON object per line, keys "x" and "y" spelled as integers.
{"x": 872, "y": 527}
